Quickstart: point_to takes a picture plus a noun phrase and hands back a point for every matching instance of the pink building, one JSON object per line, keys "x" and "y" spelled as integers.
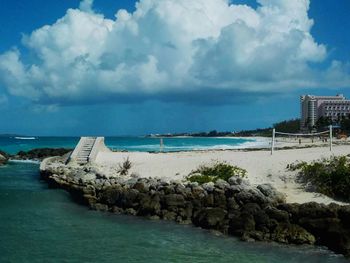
{"x": 314, "y": 107}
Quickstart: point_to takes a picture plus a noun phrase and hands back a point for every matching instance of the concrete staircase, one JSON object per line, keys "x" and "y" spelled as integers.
{"x": 87, "y": 150}
{"x": 86, "y": 146}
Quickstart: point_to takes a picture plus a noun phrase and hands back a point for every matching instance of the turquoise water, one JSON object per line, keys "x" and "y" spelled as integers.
{"x": 13, "y": 145}
{"x": 44, "y": 225}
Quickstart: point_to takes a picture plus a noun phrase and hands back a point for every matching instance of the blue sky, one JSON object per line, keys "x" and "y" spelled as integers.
{"x": 166, "y": 66}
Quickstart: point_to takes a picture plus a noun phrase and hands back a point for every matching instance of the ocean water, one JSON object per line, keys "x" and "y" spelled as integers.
{"x": 38, "y": 224}
{"x": 15, "y": 144}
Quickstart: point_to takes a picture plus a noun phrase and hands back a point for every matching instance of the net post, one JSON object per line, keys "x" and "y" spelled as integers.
{"x": 273, "y": 141}
{"x": 161, "y": 144}
{"x": 330, "y": 138}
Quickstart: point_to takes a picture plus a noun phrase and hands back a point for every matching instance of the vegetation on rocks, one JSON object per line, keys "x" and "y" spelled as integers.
{"x": 219, "y": 170}
{"x": 327, "y": 176}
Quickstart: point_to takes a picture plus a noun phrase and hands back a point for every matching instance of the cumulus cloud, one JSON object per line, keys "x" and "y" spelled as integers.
{"x": 171, "y": 48}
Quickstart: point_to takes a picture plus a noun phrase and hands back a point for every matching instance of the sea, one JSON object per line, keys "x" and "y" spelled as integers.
{"x": 13, "y": 144}
{"x": 38, "y": 224}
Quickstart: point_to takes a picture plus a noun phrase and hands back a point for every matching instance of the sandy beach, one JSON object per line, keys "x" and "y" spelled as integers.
{"x": 262, "y": 167}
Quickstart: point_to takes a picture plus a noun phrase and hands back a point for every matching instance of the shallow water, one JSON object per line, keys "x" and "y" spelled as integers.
{"x": 38, "y": 224}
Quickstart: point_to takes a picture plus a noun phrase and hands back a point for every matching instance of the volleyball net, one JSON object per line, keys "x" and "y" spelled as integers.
{"x": 295, "y": 139}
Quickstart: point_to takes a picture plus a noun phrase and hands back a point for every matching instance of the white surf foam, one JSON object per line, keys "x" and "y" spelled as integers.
{"x": 25, "y": 138}
{"x": 24, "y": 161}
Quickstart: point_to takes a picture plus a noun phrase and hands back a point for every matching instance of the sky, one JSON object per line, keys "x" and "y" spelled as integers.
{"x": 123, "y": 67}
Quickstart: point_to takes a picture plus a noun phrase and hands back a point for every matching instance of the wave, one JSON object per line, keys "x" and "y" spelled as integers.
{"x": 25, "y": 138}
{"x": 24, "y": 161}
{"x": 252, "y": 143}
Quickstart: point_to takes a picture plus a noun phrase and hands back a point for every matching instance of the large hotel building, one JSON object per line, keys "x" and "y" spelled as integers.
{"x": 314, "y": 107}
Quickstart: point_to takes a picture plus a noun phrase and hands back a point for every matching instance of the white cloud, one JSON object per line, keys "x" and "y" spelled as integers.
{"x": 171, "y": 47}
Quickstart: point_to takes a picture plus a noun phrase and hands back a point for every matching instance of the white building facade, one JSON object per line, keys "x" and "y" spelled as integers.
{"x": 314, "y": 107}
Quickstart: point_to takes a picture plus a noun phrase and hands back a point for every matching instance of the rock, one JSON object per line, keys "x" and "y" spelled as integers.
{"x": 111, "y": 195}
{"x": 149, "y": 205}
{"x": 198, "y": 192}
{"x": 168, "y": 215}
{"x": 194, "y": 184}
{"x": 209, "y": 187}
{"x": 249, "y": 212}
{"x": 117, "y": 210}
{"x": 3, "y": 158}
{"x": 131, "y": 181}
{"x": 40, "y": 154}
{"x": 316, "y": 210}
{"x": 141, "y": 187}
{"x": 169, "y": 189}
{"x": 344, "y": 215}
{"x": 292, "y": 234}
{"x": 250, "y": 196}
{"x": 99, "y": 207}
{"x": 90, "y": 199}
{"x": 130, "y": 211}
{"x": 154, "y": 217}
{"x": 247, "y": 238}
{"x": 267, "y": 189}
{"x": 174, "y": 200}
{"x": 232, "y": 204}
{"x": 235, "y": 180}
{"x": 219, "y": 198}
{"x": 128, "y": 199}
{"x": 208, "y": 200}
{"x": 292, "y": 209}
{"x": 221, "y": 184}
{"x": 181, "y": 189}
{"x": 186, "y": 212}
{"x": 279, "y": 215}
{"x": 273, "y": 195}
{"x": 210, "y": 217}
{"x": 330, "y": 232}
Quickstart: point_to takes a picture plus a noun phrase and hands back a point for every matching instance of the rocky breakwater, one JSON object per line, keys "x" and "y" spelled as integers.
{"x": 3, "y": 158}
{"x": 253, "y": 213}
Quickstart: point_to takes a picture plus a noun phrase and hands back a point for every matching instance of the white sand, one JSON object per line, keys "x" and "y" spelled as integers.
{"x": 262, "y": 167}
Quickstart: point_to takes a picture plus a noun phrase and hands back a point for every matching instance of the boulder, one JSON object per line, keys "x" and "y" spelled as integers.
{"x": 208, "y": 200}
{"x": 251, "y": 196}
{"x": 99, "y": 207}
{"x": 3, "y": 159}
{"x": 142, "y": 187}
{"x": 209, "y": 187}
{"x": 221, "y": 184}
{"x": 232, "y": 204}
{"x": 174, "y": 200}
{"x": 316, "y": 210}
{"x": 168, "y": 215}
{"x": 111, "y": 195}
{"x": 292, "y": 234}
{"x": 236, "y": 180}
{"x": 279, "y": 215}
{"x": 210, "y": 218}
{"x": 271, "y": 193}
{"x": 219, "y": 198}
{"x": 149, "y": 205}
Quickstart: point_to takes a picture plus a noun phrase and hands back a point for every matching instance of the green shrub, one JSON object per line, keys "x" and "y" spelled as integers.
{"x": 330, "y": 176}
{"x": 224, "y": 171}
{"x": 125, "y": 167}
